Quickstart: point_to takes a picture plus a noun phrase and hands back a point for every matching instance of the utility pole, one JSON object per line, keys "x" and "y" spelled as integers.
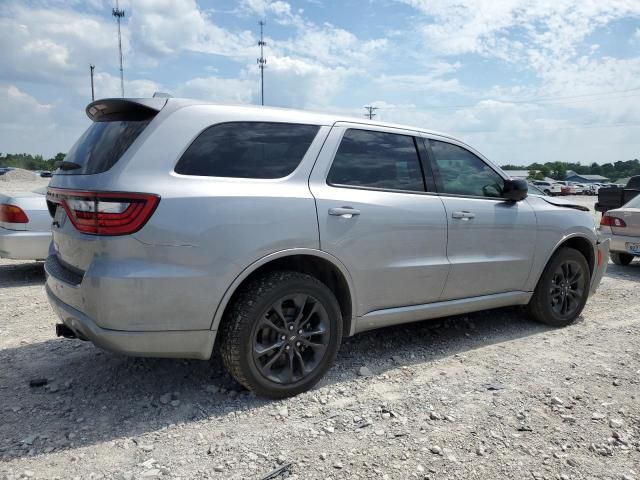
{"x": 262, "y": 61}
{"x": 370, "y": 111}
{"x": 116, "y": 12}
{"x": 91, "y": 68}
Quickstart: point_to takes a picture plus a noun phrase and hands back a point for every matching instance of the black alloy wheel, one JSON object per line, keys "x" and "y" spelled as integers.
{"x": 567, "y": 288}
{"x": 291, "y": 338}
{"x": 281, "y": 333}
{"x": 562, "y": 290}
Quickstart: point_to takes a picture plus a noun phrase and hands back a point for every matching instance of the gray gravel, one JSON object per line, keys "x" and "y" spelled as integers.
{"x": 483, "y": 396}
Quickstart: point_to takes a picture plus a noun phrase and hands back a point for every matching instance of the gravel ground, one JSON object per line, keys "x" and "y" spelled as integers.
{"x": 14, "y": 186}
{"x": 483, "y": 396}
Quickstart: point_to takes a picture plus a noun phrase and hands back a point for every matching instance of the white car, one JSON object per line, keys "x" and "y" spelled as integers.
{"x": 572, "y": 188}
{"x": 550, "y": 188}
{"x": 592, "y": 189}
{"x": 25, "y": 225}
{"x": 622, "y": 227}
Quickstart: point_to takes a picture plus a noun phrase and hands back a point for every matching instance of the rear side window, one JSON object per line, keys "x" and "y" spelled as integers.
{"x": 102, "y": 145}
{"x": 377, "y": 160}
{"x": 247, "y": 150}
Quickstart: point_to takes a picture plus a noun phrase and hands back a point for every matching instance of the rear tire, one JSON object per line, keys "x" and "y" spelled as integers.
{"x": 281, "y": 334}
{"x": 623, "y": 259}
{"x": 562, "y": 290}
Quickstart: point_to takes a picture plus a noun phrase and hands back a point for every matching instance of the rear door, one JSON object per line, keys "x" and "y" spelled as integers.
{"x": 379, "y": 217}
{"x": 491, "y": 242}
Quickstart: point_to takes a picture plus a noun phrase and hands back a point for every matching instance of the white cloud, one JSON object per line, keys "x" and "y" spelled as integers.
{"x": 52, "y": 45}
{"x": 107, "y": 85}
{"x": 494, "y": 28}
{"x": 220, "y": 90}
{"x": 26, "y": 124}
{"x": 166, "y": 27}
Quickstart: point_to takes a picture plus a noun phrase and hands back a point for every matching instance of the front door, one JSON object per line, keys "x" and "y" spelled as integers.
{"x": 376, "y": 216}
{"x": 491, "y": 242}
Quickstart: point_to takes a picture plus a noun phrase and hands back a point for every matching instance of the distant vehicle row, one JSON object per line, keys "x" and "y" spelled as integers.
{"x": 568, "y": 188}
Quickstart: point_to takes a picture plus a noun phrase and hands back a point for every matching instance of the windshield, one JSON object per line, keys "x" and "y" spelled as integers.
{"x": 101, "y": 146}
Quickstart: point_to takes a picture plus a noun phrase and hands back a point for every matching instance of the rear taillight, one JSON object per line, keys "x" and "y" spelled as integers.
{"x": 12, "y": 214}
{"x": 105, "y": 213}
{"x": 611, "y": 221}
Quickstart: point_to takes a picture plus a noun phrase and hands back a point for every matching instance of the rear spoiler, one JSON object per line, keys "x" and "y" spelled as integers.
{"x": 114, "y": 109}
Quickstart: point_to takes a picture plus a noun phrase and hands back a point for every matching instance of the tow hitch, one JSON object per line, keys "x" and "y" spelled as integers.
{"x": 63, "y": 331}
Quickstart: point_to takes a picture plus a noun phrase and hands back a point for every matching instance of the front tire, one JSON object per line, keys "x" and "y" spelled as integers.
{"x": 623, "y": 259}
{"x": 562, "y": 290}
{"x": 281, "y": 334}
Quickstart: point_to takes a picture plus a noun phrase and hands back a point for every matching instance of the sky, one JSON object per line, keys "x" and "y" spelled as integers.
{"x": 520, "y": 80}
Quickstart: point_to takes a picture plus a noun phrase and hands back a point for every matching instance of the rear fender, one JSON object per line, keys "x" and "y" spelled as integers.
{"x": 217, "y": 318}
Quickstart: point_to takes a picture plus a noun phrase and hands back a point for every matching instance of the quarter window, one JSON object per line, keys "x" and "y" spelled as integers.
{"x": 247, "y": 150}
{"x": 377, "y": 160}
{"x": 463, "y": 173}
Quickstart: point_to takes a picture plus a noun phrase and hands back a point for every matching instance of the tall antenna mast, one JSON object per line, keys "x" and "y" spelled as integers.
{"x": 262, "y": 61}
{"x": 370, "y": 111}
{"x": 91, "y": 68}
{"x": 116, "y": 12}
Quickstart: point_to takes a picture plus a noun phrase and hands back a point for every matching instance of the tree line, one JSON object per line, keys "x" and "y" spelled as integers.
{"x": 558, "y": 170}
{"x": 555, "y": 170}
{"x": 30, "y": 162}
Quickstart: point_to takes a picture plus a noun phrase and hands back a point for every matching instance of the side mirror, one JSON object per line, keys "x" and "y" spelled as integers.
{"x": 515, "y": 189}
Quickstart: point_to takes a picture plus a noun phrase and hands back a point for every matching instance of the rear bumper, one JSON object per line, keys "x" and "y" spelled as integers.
{"x": 602, "y": 260}
{"x": 169, "y": 344}
{"x": 618, "y": 243}
{"x": 24, "y": 245}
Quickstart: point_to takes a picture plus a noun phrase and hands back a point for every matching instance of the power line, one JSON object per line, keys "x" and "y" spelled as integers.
{"x": 567, "y": 127}
{"x": 119, "y": 14}
{"x": 370, "y": 109}
{"x": 262, "y": 61}
{"x": 543, "y": 100}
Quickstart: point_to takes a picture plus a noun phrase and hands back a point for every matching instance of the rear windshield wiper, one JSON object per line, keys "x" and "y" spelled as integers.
{"x": 64, "y": 165}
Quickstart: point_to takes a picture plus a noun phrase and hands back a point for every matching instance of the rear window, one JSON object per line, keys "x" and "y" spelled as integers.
{"x": 102, "y": 145}
{"x": 247, "y": 150}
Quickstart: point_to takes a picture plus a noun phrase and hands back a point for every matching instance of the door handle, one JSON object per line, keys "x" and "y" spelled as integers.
{"x": 463, "y": 215}
{"x": 344, "y": 212}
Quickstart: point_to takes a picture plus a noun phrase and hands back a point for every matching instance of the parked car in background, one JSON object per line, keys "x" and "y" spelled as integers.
{"x": 549, "y": 188}
{"x": 43, "y": 173}
{"x": 622, "y": 227}
{"x": 592, "y": 189}
{"x": 569, "y": 189}
{"x": 277, "y": 232}
{"x": 25, "y": 225}
{"x": 535, "y": 190}
{"x": 615, "y": 196}
{"x": 579, "y": 188}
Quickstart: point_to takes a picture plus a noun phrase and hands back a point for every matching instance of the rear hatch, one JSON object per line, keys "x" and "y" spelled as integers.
{"x": 83, "y": 199}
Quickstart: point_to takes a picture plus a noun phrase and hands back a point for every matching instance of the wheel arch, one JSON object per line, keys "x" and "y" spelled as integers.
{"x": 323, "y": 266}
{"x": 580, "y": 243}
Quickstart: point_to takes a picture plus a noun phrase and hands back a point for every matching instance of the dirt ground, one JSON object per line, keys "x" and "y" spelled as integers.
{"x": 484, "y": 396}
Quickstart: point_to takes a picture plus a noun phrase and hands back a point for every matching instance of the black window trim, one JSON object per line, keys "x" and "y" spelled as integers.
{"x": 247, "y": 179}
{"x": 438, "y": 179}
{"x": 416, "y": 145}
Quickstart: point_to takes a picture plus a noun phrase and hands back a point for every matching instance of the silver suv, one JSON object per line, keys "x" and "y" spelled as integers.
{"x": 179, "y": 226}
